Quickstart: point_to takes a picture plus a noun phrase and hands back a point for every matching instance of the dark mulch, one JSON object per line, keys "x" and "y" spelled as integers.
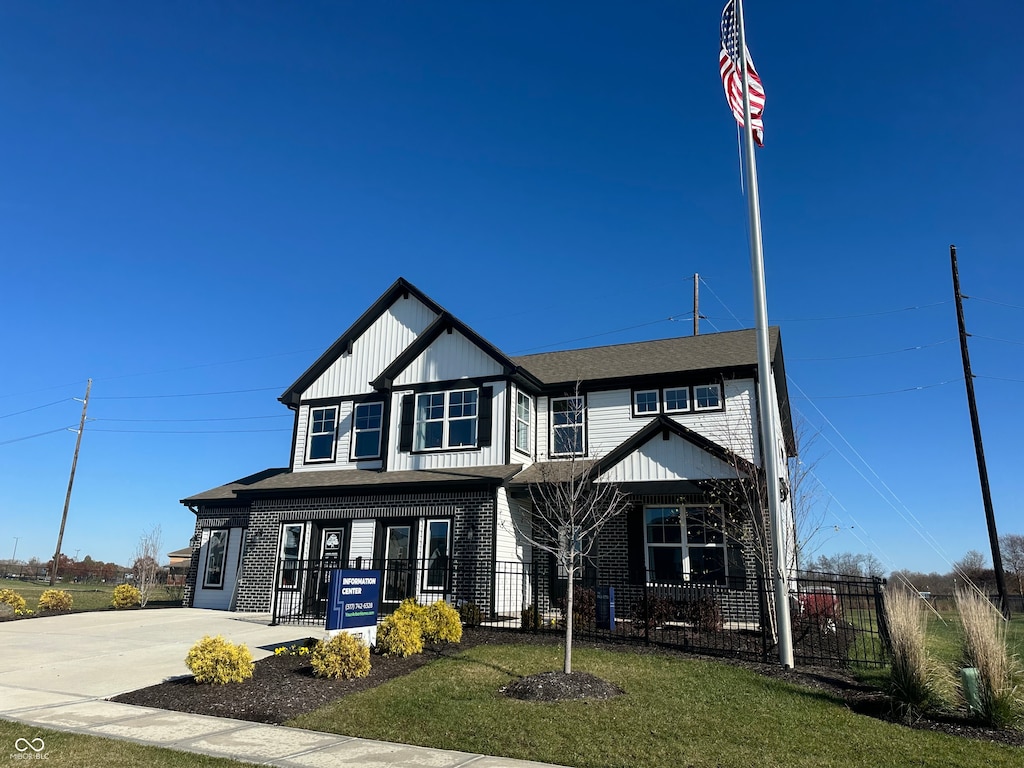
{"x": 559, "y": 686}
{"x": 284, "y": 687}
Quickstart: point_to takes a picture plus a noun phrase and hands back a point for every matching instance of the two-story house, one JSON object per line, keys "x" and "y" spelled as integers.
{"x": 415, "y": 441}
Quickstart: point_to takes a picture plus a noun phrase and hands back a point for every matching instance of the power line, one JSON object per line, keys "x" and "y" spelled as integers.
{"x": 226, "y": 418}
{"x": 998, "y": 378}
{"x": 879, "y": 394}
{"x": 186, "y": 431}
{"x": 38, "y": 407}
{"x": 993, "y": 301}
{"x": 186, "y": 394}
{"x": 879, "y": 354}
{"x": 993, "y": 338}
{"x": 38, "y": 434}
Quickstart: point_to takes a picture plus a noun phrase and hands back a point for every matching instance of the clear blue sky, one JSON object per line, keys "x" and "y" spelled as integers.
{"x": 200, "y": 197}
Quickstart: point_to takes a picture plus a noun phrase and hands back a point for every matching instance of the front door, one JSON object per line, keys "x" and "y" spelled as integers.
{"x": 332, "y": 545}
{"x": 397, "y": 566}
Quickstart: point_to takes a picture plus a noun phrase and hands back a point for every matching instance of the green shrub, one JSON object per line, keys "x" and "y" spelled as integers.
{"x": 13, "y": 599}
{"x": 399, "y": 636}
{"x": 470, "y": 615}
{"x": 916, "y": 682}
{"x": 56, "y": 600}
{"x": 215, "y": 660}
{"x": 343, "y": 657}
{"x": 1000, "y": 677}
{"x": 441, "y": 623}
{"x": 584, "y": 607}
{"x": 126, "y": 596}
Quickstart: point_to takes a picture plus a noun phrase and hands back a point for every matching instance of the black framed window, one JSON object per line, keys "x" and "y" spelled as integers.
{"x": 367, "y": 425}
{"x": 216, "y": 558}
{"x": 567, "y": 426}
{"x": 323, "y": 423}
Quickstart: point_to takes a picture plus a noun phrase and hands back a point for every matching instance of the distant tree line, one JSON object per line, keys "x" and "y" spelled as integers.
{"x": 974, "y": 567}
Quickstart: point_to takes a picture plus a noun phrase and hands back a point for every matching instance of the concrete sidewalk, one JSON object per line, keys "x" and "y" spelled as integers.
{"x": 56, "y": 672}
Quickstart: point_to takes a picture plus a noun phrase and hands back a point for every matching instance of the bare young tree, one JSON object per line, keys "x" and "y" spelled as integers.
{"x": 569, "y": 510}
{"x": 569, "y": 507}
{"x": 146, "y": 562}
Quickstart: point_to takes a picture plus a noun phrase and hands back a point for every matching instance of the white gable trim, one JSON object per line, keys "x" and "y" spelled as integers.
{"x": 672, "y": 459}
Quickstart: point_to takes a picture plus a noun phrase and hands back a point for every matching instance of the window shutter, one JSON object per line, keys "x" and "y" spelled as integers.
{"x": 635, "y": 544}
{"x": 483, "y": 427}
{"x": 408, "y": 418}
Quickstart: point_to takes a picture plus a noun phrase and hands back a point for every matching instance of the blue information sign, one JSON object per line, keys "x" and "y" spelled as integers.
{"x": 353, "y": 599}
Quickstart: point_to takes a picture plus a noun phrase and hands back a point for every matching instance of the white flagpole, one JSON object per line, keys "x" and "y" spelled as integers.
{"x": 769, "y": 433}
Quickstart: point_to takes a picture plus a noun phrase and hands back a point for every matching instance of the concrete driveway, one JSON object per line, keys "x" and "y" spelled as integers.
{"x": 104, "y": 653}
{"x": 57, "y": 671}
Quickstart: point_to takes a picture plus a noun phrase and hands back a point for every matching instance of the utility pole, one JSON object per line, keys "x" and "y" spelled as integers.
{"x": 696, "y": 304}
{"x": 14, "y": 557}
{"x": 986, "y": 494}
{"x": 71, "y": 482}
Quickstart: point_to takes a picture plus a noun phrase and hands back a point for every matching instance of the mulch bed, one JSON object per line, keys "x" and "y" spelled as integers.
{"x": 283, "y": 687}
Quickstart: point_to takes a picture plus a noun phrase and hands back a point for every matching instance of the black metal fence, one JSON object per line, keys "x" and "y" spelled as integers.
{"x": 837, "y": 620}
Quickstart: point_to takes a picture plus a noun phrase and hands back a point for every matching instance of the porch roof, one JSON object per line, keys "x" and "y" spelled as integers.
{"x": 276, "y": 482}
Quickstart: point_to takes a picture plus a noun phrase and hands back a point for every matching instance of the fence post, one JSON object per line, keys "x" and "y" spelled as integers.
{"x": 883, "y": 623}
{"x": 763, "y": 610}
{"x": 647, "y": 611}
{"x": 535, "y": 581}
{"x": 273, "y": 600}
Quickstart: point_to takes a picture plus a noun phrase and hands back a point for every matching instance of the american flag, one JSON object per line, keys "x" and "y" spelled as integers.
{"x": 732, "y": 79}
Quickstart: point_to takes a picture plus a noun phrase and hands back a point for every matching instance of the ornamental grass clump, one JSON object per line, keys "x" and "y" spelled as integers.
{"x": 917, "y": 682}
{"x": 126, "y": 596}
{"x": 343, "y": 657}
{"x": 1000, "y": 676}
{"x": 13, "y": 599}
{"x": 441, "y": 623}
{"x": 215, "y": 660}
{"x": 399, "y": 635}
{"x": 55, "y": 601}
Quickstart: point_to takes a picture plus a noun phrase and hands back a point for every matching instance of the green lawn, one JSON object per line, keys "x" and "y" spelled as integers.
{"x": 944, "y": 636}
{"x": 676, "y": 712}
{"x": 62, "y": 748}
{"x": 87, "y": 597}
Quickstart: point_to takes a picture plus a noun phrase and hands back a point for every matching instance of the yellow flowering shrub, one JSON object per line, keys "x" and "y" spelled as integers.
{"x": 13, "y": 599}
{"x": 399, "y": 636}
{"x": 55, "y": 600}
{"x": 441, "y": 623}
{"x": 125, "y": 596}
{"x": 344, "y": 657}
{"x": 215, "y": 660}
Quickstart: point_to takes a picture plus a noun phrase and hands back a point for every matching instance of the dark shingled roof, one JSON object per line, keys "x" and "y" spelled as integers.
{"x": 713, "y": 351}
{"x": 284, "y": 481}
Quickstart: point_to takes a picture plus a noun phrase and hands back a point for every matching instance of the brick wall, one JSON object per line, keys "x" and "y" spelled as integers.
{"x": 473, "y": 533}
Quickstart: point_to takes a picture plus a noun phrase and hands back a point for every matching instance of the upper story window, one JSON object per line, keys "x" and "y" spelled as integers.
{"x": 323, "y": 424}
{"x": 646, "y": 401}
{"x": 704, "y": 397}
{"x": 677, "y": 399}
{"x": 524, "y": 411}
{"x": 367, "y": 419}
{"x": 446, "y": 420}
{"x": 707, "y": 397}
{"x": 567, "y": 426}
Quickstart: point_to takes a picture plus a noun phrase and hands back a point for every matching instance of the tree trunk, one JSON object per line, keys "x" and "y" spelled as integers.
{"x": 567, "y": 666}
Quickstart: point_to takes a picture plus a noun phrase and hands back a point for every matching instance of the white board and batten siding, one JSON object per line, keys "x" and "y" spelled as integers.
{"x": 672, "y": 459}
{"x": 221, "y": 598}
{"x": 451, "y": 356}
{"x": 483, "y": 456}
{"x": 373, "y": 351}
{"x": 610, "y": 421}
{"x": 361, "y": 536}
{"x": 512, "y": 588}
